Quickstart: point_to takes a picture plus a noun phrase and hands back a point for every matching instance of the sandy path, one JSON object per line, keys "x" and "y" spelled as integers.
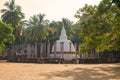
{"x": 24, "y": 71}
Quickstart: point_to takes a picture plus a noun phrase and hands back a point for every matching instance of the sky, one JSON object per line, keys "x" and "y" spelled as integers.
{"x": 53, "y": 9}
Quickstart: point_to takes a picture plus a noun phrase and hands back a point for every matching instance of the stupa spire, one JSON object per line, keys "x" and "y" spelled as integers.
{"x": 63, "y": 35}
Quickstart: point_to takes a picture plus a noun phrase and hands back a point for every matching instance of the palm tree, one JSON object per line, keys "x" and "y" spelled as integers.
{"x": 57, "y": 28}
{"x": 38, "y": 29}
{"x": 12, "y": 15}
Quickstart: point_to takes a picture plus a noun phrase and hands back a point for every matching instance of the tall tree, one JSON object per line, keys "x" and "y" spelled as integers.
{"x": 84, "y": 15}
{"x": 99, "y": 26}
{"x": 12, "y": 15}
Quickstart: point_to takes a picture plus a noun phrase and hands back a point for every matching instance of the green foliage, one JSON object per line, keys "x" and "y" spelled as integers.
{"x": 57, "y": 28}
{"x": 5, "y": 34}
{"x": 13, "y": 15}
{"x": 117, "y": 2}
{"x": 38, "y": 29}
{"x": 69, "y": 26}
{"x": 100, "y": 27}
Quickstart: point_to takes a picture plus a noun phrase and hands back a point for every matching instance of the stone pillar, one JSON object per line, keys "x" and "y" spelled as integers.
{"x": 70, "y": 47}
{"x": 41, "y": 50}
{"x": 44, "y": 50}
{"x": 48, "y": 50}
{"x": 75, "y": 50}
{"x": 29, "y": 53}
{"x": 55, "y": 50}
{"x": 62, "y": 48}
{"x": 35, "y": 50}
{"x": 79, "y": 53}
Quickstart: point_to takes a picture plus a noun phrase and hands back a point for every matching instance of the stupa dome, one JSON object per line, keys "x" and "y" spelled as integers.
{"x": 63, "y": 48}
{"x": 67, "y": 44}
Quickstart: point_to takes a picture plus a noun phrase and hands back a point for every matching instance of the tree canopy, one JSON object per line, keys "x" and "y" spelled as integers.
{"x": 97, "y": 27}
{"x": 5, "y": 34}
{"x": 100, "y": 26}
{"x": 13, "y": 15}
{"x": 38, "y": 29}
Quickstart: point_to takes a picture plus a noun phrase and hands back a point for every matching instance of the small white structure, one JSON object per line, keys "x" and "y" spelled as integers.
{"x": 63, "y": 48}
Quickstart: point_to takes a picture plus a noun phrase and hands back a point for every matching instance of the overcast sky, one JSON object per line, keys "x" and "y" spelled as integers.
{"x": 53, "y": 9}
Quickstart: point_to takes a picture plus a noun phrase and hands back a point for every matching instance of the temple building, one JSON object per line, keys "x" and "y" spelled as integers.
{"x": 63, "y": 48}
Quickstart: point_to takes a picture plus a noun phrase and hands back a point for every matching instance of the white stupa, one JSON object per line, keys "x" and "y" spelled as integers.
{"x": 63, "y": 48}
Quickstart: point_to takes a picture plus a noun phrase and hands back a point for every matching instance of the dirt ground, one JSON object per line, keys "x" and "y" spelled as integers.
{"x": 33, "y": 71}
